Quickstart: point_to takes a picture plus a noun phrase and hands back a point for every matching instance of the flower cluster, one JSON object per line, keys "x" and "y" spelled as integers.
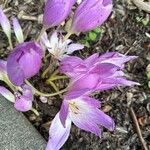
{"x": 95, "y": 73}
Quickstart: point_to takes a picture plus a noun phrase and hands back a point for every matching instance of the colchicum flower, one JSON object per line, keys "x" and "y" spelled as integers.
{"x": 84, "y": 113}
{"x": 22, "y": 98}
{"x": 91, "y": 14}
{"x": 24, "y": 62}
{"x": 58, "y": 47}
{"x": 23, "y": 102}
{"x": 56, "y": 11}
{"x": 96, "y": 72}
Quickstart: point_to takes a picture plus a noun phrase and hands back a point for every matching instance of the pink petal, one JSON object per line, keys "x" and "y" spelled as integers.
{"x": 74, "y": 47}
{"x": 105, "y": 120}
{"x": 64, "y": 112}
{"x": 115, "y": 58}
{"x": 58, "y": 135}
{"x": 7, "y": 94}
{"x": 23, "y": 104}
{"x": 5, "y": 23}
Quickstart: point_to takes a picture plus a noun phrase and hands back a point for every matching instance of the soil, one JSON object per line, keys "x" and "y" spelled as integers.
{"x": 123, "y": 32}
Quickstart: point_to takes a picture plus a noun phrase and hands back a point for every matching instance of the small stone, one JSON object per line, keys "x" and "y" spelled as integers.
{"x": 107, "y": 108}
{"x": 148, "y": 68}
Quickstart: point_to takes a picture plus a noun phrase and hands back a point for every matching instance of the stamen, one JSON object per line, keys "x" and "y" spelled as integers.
{"x": 74, "y": 109}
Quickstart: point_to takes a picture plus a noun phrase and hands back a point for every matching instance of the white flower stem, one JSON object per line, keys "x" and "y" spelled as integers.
{"x": 41, "y": 33}
{"x": 10, "y": 42}
{"x": 67, "y": 36}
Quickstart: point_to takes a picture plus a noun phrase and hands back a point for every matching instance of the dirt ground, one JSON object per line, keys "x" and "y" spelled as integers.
{"x": 123, "y": 32}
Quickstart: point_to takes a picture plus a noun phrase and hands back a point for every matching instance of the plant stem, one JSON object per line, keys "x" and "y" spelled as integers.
{"x": 144, "y": 144}
{"x": 46, "y": 71}
{"x": 54, "y": 73}
{"x": 45, "y": 94}
{"x": 41, "y": 33}
{"x": 67, "y": 36}
{"x": 54, "y": 86}
{"x": 53, "y": 78}
{"x": 10, "y": 43}
{"x": 35, "y": 112}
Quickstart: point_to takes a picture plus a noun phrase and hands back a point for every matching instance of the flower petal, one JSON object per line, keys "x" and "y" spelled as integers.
{"x": 18, "y": 30}
{"x": 110, "y": 83}
{"x": 115, "y": 58}
{"x": 88, "y": 81}
{"x": 104, "y": 70}
{"x": 15, "y": 72}
{"x": 23, "y": 104}
{"x": 91, "y": 60}
{"x": 91, "y": 101}
{"x": 85, "y": 123}
{"x": 7, "y": 94}
{"x": 86, "y": 118}
{"x": 58, "y": 135}
{"x": 64, "y": 112}
{"x": 45, "y": 41}
{"x": 90, "y": 14}
{"x": 55, "y": 12}
{"x": 74, "y": 47}
{"x": 30, "y": 63}
{"x": 105, "y": 120}
{"x": 3, "y": 70}
{"x": 5, "y": 23}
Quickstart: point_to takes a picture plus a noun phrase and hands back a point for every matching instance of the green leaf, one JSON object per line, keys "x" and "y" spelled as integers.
{"x": 97, "y": 30}
{"x": 87, "y": 44}
{"x": 92, "y": 36}
{"x": 149, "y": 84}
{"x": 145, "y": 22}
{"x": 148, "y": 75}
{"x": 138, "y": 19}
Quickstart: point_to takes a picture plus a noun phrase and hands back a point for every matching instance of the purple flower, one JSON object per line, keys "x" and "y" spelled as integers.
{"x": 58, "y": 47}
{"x": 56, "y": 11}
{"x": 24, "y": 62}
{"x": 95, "y": 73}
{"x": 22, "y": 98}
{"x": 90, "y": 14}
{"x": 84, "y": 113}
{"x": 24, "y": 102}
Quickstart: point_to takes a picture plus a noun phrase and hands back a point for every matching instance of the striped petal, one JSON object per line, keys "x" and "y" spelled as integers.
{"x": 18, "y": 30}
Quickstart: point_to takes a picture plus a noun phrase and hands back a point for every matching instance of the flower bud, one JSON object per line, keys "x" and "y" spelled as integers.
{"x": 24, "y": 62}
{"x": 56, "y": 11}
{"x": 24, "y": 102}
{"x": 91, "y": 14}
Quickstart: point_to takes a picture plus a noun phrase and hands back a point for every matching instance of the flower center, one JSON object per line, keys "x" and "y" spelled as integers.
{"x": 73, "y": 108}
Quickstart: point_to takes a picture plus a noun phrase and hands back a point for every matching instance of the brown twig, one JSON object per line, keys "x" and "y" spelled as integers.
{"x": 142, "y": 5}
{"x": 138, "y": 128}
